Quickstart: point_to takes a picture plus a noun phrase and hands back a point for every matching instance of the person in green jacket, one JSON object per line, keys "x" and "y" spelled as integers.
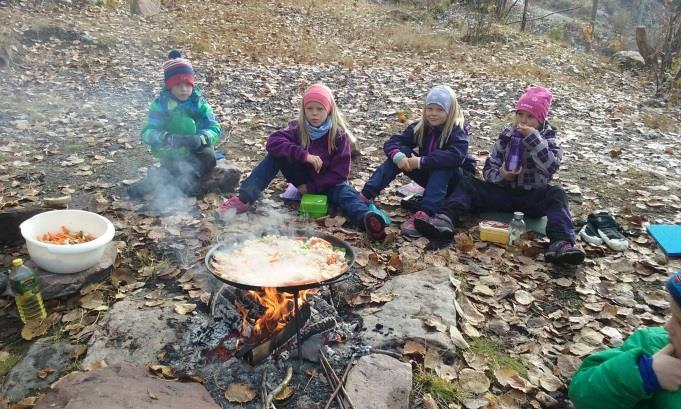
{"x": 181, "y": 130}
{"x": 643, "y": 373}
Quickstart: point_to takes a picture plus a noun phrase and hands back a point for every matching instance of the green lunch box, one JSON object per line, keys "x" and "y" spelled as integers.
{"x": 313, "y": 205}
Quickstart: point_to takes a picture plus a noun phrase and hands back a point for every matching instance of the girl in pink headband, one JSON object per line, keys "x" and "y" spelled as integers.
{"x": 313, "y": 154}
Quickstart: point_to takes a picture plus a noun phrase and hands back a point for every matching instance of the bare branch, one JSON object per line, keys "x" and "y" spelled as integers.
{"x": 545, "y": 15}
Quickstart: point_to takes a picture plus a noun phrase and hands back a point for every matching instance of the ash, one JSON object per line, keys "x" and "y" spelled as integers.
{"x": 208, "y": 349}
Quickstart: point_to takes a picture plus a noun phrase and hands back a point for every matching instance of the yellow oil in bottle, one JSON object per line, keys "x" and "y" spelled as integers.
{"x": 27, "y": 294}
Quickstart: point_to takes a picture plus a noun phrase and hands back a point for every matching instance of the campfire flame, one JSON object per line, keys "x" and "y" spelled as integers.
{"x": 278, "y": 311}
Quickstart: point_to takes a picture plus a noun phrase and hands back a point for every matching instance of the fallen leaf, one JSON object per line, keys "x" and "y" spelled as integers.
{"x": 510, "y": 377}
{"x": 43, "y": 373}
{"x": 95, "y": 365}
{"x": 184, "y": 308}
{"x": 428, "y": 402}
{"x": 152, "y": 395}
{"x": 162, "y": 371}
{"x": 435, "y": 322}
{"x": 523, "y": 297}
{"x": 285, "y": 393}
{"x": 37, "y": 328}
{"x": 474, "y": 381}
{"x": 414, "y": 348}
{"x": 239, "y": 392}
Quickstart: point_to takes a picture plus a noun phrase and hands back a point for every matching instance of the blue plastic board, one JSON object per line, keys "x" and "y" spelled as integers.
{"x": 668, "y": 237}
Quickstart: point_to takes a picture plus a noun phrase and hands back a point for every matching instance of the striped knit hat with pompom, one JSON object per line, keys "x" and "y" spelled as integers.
{"x": 177, "y": 70}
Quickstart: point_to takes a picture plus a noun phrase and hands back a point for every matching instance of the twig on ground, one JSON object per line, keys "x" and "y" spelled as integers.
{"x": 332, "y": 382}
{"x": 342, "y": 381}
{"x": 275, "y": 391}
{"x": 337, "y": 383}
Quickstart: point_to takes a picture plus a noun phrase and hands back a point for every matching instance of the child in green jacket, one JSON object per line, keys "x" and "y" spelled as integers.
{"x": 642, "y": 373}
{"x": 181, "y": 130}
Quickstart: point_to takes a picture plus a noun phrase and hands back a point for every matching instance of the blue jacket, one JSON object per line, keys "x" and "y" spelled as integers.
{"x": 453, "y": 155}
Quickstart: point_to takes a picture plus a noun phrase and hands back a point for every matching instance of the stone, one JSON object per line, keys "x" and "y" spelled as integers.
{"x": 418, "y": 297}
{"x": 25, "y": 377}
{"x": 60, "y": 285}
{"x": 379, "y": 381}
{"x": 145, "y": 8}
{"x": 629, "y": 59}
{"x": 10, "y": 221}
{"x": 224, "y": 178}
{"x": 124, "y": 386}
{"x": 133, "y": 333}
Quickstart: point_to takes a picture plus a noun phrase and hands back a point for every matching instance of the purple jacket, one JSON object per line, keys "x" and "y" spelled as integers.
{"x": 285, "y": 143}
{"x": 541, "y": 159}
{"x": 453, "y": 155}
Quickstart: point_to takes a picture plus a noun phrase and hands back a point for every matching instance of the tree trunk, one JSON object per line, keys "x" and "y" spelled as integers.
{"x": 524, "y": 22}
{"x": 646, "y": 51}
{"x": 592, "y": 33}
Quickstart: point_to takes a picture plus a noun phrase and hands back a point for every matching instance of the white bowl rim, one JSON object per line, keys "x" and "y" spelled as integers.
{"x": 72, "y": 248}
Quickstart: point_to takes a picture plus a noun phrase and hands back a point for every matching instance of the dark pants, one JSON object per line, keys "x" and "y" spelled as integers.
{"x": 438, "y": 183}
{"x": 550, "y": 201}
{"x": 342, "y": 195}
{"x": 178, "y": 173}
{"x": 196, "y": 165}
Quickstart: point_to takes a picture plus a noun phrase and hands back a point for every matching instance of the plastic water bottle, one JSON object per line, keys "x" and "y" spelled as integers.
{"x": 515, "y": 152}
{"x": 27, "y": 294}
{"x": 515, "y": 232}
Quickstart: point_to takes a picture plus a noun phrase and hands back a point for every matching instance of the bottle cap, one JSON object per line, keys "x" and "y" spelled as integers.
{"x": 518, "y": 214}
{"x": 17, "y": 262}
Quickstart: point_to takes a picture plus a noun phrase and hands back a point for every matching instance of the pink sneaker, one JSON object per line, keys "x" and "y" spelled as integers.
{"x": 409, "y": 229}
{"x": 233, "y": 203}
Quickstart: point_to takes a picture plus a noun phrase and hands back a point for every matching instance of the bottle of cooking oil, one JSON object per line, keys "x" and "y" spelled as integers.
{"x": 27, "y": 294}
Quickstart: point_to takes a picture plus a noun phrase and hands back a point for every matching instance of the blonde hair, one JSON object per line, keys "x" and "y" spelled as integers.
{"x": 338, "y": 124}
{"x": 454, "y": 118}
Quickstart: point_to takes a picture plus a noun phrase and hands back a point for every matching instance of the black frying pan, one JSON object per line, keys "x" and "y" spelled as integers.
{"x": 236, "y": 241}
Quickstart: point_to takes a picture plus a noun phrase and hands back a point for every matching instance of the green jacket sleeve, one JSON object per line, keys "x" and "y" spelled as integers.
{"x": 153, "y": 128}
{"x": 610, "y": 379}
{"x": 206, "y": 123}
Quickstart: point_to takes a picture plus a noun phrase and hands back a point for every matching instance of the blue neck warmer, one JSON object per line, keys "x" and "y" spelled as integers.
{"x": 316, "y": 133}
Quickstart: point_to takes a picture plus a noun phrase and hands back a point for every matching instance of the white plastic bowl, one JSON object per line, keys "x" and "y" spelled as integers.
{"x": 68, "y": 258}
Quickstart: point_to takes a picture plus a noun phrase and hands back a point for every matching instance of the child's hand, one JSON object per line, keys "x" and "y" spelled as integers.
{"x": 525, "y": 130}
{"x": 315, "y": 161}
{"x": 509, "y": 175}
{"x": 413, "y": 162}
{"x": 302, "y": 189}
{"x": 667, "y": 368}
{"x": 403, "y": 165}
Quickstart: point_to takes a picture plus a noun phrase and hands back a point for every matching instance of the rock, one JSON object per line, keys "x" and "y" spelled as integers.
{"x": 10, "y": 221}
{"x": 60, "y": 285}
{"x": 145, "y": 8}
{"x": 418, "y": 297}
{"x": 124, "y": 386}
{"x": 133, "y": 333}
{"x": 378, "y": 382}
{"x": 223, "y": 179}
{"x": 629, "y": 59}
{"x": 25, "y": 378}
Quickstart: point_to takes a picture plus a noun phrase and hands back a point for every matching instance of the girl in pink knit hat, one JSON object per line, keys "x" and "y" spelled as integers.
{"x": 517, "y": 176}
{"x": 313, "y": 154}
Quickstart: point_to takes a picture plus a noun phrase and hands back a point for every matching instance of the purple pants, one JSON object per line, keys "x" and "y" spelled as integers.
{"x": 550, "y": 201}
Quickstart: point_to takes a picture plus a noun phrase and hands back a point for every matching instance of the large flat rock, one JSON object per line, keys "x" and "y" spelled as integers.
{"x": 26, "y": 377}
{"x": 133, "y": 333}
{"x": 418, "y": 297}
{"x": 379, "y": 382}
{"x": 124, "y": 386}
{"x": 60, "y": 285}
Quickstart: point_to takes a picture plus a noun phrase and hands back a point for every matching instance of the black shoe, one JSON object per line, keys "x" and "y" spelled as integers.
{"x": 439, "y": 227}
{"x": 606, "y": 228}
{"x": 564, "y": 252}
{"x": 411, "y": 203}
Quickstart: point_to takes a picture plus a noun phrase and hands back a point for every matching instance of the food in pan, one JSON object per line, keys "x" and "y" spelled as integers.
{"x": 66, "y": 236}
{"x": 279, "y": 261}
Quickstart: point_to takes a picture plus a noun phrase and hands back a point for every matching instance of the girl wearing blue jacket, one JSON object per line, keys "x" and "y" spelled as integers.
{"x": 433, "y": 152}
